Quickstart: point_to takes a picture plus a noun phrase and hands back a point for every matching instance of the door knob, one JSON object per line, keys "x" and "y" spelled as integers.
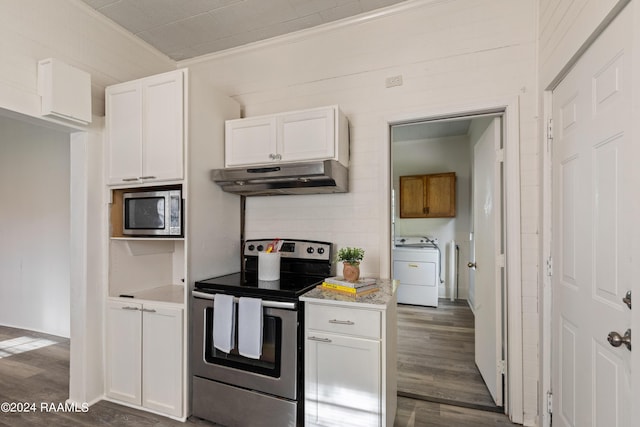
{"x": 471, "y": 264}
{"x": 616, "y": 340}
{"x": 627, "y": 299}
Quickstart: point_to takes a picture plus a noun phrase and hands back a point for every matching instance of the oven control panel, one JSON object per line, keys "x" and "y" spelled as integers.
{"x": 291, "y": 248}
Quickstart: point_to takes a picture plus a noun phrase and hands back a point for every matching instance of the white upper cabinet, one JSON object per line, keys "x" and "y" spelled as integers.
{"x": 250, "y": 141}
{"x": 124, "y": 127}
{"x": 316, "y": 134}
{"x": 145, "y": 129}
{"x": 307, "y": 135}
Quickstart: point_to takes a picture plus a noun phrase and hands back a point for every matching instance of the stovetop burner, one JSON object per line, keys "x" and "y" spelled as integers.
{"x": 304, "y": 265}
{"x": 287, "y": 288}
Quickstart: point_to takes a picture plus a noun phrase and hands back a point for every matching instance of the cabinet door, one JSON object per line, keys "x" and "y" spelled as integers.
{"x": 124, "y": 132}
{"x": 250, "y": 141}
{"x": 441, "y": 195}
{"x": 342, "y": 381}
{"x": 428, "y": 196}
{"x": 163, "y": 127}
{"x": 307, "y": 135}
{"x": 124, "y": 337}
{"x": 162, "y": 350}
{"x": 412, "y": 196}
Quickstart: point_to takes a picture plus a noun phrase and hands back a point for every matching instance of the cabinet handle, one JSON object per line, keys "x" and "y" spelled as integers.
{"x": 148, "y": 310}
{"x": 129, "y": 179}
{"x": 342, "y": 322}
{"x": 130, "y": 308}
{"x": 272, "y": 156}
{"x": 426, "y": 210}
{"x": 320, "y": 339}
{"x": 148, "y": 177}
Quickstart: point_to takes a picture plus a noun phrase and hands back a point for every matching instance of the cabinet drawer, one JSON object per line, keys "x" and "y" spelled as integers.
{"x": 340, "y": 320}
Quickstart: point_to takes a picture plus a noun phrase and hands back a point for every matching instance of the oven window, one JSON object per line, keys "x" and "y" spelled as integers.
{"x": 144, "y": 213}
{"x": 269, "y": 362}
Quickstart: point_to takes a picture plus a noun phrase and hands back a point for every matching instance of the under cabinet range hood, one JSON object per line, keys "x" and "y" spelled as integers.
{"x": 315, "y": 177}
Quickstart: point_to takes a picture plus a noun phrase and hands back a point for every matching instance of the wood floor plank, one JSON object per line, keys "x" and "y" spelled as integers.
{"x": 436, "y": 355}
{"x": 42, "y": 375}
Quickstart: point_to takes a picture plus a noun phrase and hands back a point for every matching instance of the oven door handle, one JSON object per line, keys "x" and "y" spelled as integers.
{"x": 265, "y": 303}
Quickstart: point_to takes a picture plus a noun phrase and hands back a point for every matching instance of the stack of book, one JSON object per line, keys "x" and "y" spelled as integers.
{"x": 361, "y": 287}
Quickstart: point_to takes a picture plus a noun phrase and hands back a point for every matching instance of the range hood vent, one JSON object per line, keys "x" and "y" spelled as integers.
{"x": 319, "y": 177}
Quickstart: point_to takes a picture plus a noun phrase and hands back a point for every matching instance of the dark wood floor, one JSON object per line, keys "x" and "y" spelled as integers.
{"x": 436, "y": 355}
{"x": 42, "y": 375}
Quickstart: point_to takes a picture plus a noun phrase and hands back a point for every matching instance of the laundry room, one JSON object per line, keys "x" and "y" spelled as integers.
{"x": 440, "y": 149}
{"x": 447, "y": 209}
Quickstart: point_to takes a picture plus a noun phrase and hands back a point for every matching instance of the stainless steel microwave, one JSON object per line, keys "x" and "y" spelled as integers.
{"x": 152, "y": 213}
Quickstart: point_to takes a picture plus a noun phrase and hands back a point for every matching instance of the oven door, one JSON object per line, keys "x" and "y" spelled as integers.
{"x": 274, "y": 373}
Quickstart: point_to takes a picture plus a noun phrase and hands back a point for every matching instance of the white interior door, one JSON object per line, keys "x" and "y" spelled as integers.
{"x": 487, "y": 220}
{"x": 593, "y": 219}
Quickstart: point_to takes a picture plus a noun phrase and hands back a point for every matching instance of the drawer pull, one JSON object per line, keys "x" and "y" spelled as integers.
{"x": 320, "y": 339}
{"x": 130, "y": 308}
{"x": 342, "y": 322}
{"x": 148, "y": 310}
{"x": 413, "y": 265}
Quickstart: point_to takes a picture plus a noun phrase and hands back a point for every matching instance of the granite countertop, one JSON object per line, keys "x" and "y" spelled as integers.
{"x": 381, "y": 297}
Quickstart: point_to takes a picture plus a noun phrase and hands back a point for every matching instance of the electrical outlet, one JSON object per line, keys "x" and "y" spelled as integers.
{"x": 394, "y": 81}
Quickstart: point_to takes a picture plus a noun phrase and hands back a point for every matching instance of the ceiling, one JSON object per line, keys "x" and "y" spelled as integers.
{"x": 184, "y": 29}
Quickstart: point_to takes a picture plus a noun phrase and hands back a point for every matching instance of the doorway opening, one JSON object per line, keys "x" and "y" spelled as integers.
{"x": 36, "y": 224}
{"x": 55, "y": 215}
{"x": 454, "y": 351}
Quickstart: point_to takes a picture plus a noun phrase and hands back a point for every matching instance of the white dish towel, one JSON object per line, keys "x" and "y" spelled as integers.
{"x": 250, "y": 327}
{"x": 224, "y": 322}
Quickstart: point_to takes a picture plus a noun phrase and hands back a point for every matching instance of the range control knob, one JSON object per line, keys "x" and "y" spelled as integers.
{"x": 260, "y": 248}
{"x": 320, "y": 251}
{"x": 251, "y": 247}
{"x": 310, "y": 250}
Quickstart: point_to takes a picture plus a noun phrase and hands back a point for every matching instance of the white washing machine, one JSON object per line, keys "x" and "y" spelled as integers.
{"x": 416, "y": 264}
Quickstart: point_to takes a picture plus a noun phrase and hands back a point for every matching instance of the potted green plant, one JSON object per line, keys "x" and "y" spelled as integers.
{"x": 351, "y": 258}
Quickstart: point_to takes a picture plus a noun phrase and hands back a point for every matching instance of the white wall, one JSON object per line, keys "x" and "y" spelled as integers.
{"x": 71, "y": 31}
{"x": 451, "y": 54}
{"x": 34, "y": 225}
{"x": 564, "y": 26}
{"x": 438, "y": 155}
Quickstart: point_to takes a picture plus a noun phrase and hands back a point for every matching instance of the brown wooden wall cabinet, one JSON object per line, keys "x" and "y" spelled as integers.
{"x": 428, "y": 196}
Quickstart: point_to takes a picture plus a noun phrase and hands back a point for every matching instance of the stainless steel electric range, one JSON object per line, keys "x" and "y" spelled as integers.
{"x": 234, "y": 390}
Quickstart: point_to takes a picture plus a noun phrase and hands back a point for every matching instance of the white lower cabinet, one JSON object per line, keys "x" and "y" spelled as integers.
{"x": 124, "y": 352}
{"x": 145, "y": 355}
{"x": 349, "y": 365}
{"x": 343, "y": 381}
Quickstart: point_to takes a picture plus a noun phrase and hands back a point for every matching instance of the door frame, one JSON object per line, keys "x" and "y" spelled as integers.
{"x": 508, "y": 107}
{"x": 546, "y": 266}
